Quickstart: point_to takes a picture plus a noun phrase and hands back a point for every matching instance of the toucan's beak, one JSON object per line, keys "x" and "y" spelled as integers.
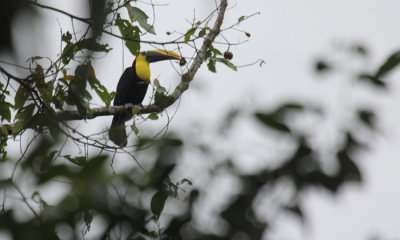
{"x": 159, "y": 55}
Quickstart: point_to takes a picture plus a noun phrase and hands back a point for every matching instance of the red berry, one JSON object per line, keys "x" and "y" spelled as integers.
{"x": 228, "y": 55}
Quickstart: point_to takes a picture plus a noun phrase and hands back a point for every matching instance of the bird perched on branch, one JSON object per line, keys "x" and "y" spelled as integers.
{"x": 132, "y": 88}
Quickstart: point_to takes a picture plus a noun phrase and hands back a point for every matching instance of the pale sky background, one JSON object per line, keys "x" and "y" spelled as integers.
{"x": 288, "y": 35}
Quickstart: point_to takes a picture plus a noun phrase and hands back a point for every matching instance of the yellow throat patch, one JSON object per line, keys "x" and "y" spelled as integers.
{"x": 142, "y": 68}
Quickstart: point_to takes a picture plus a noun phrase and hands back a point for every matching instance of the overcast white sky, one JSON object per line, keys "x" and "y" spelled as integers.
{"x": 288, "y": 35}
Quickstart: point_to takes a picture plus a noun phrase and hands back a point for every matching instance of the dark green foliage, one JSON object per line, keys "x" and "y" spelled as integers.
{"x": 101, "y": 91}
{"x": 212, "y": 56}
{"x": 321, "y": 66}
{"x": 157, "y": 203}
{"x": 71, "y": 48}
{"x": 391, "y": 62}
{"x": 130, "y": 33}
{"x": 77, "y": 94}
{"x": 368, "y": 117}
{"x": 275, "y": 119}
{"x": 377, "y": 79}
{"x": 138, "y": 15}
{"x": 189, "y": 33}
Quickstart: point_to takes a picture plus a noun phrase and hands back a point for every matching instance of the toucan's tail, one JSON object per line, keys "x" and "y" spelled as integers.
{"x": 117, "y": 131}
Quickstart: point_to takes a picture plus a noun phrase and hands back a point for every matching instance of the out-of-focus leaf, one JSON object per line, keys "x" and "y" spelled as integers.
{"x": 321, "y": 66}
{"x": 270, "y": 121}
{"x": 135, "y": 129}
{"x": 349, "y": 169}
{"x": 20, "y": 97}
{"x": 377, "y": 82}
{"x": 275, "y": 119}
{"x": 153, "y": 116}
{"x": 135, "y": 111}
{"x": 367, "y": 117}
{"x": 66, "y": 37}
{"x": 77, "y": 93}
{"x": 91, "y": 44}
{"x": 5, "y": 112}
{"x": 287, "y": 107}
{"x": 296, "y": 209}
{"x": 22, "y": 118}
{"x": 79, "y": 160}
{"x": 158, "y": 202}
{"x": 360, "y": 49}
{"x": 141, "y": 18}
{"x": 391, "y": 62}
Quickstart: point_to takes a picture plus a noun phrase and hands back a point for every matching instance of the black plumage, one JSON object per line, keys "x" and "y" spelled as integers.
{"x": 130, "y": 89}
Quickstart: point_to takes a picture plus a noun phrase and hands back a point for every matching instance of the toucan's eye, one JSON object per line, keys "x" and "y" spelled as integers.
{"x": 142, "y": 53}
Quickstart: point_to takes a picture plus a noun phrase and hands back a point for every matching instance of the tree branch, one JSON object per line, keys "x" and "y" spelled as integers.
{"x": 175, "y": 95}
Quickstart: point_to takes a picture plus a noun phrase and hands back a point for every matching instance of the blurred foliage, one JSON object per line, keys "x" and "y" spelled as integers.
{"x": 132, "y": 204}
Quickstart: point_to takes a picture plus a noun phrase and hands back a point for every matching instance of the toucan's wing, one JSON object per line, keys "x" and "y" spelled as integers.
{"x": 126, "y": 87}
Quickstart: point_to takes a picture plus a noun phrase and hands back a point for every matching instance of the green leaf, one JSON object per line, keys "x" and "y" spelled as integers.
{"x": 80, "y": 160}
{"x": 215, "y": 51}
{"x": 158, "y": 202}
{"x": 275, "y": 119}
{"x": 377, "y": 82}
{"x": 66, "y": 37}
{"x": 5, "y": 112}
{"x": 202, "y": 32}
{"x": 22, "y": 118}
{"x": 135, "y": 111}
{"x": 392, "y": 62}
{"x": 282, "y": 110}
{"x": 141, "y": 18}
{"x": 91, "y": 44}
{"x": 135, "y": 129}
{"x": 101, "y": 91}
{"x": 270, "y": 121}
{"x": 189, "y": 33}
{"x": 153, "y": 116}
{"x": 68, "y": 53}
{"x": 160, "y": 99}
{"x": 130, "y": 33}
{"x": 20, "y": 97}
{"x": 367, "y": 117}
{"x": 211, "y": 66}
{"x": 227, "y": 63}
{"x": 156, "y": 83}
{"x": 241, "y": 19}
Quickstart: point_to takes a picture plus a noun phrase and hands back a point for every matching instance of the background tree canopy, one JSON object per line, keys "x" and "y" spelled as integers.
{"x": 226, "y": 174}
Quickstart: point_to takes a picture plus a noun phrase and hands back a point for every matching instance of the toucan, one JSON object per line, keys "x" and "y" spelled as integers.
{"x": 132, "y": 88}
